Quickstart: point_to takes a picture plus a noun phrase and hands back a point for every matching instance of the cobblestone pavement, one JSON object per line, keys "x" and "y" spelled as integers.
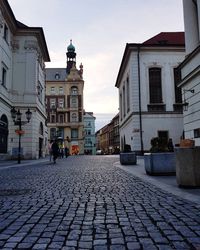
{"x": 84, "y": 202}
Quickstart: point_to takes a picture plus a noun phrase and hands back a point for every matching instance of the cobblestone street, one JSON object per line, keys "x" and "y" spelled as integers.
{"x": 85, "y": 202}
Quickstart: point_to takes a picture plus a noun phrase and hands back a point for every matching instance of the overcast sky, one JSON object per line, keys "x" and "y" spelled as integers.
{"x": 99, "y": 30}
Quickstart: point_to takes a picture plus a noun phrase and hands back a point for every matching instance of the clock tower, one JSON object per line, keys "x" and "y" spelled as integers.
{"x": 71, "y": 57}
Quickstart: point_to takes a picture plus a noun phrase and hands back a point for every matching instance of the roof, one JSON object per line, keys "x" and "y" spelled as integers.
{"x": 19, "y": 28}
{"x": 56, "y": 74}
{"x": 167, "y": 38}
{"x": 163, "y": 40}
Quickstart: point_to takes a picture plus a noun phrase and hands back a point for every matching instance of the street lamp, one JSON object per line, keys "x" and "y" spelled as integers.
{"x": 185, "y": 103}
{"x": 17, "y": 119}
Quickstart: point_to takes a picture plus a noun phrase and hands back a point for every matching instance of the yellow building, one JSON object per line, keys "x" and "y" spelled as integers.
{"x": 64, "y": 104}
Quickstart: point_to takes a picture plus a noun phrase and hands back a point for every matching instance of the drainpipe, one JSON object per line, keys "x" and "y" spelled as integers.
{"x": 140, "y": 111}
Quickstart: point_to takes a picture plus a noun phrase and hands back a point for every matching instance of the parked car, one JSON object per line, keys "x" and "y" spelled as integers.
{"x": 99, "y": 152}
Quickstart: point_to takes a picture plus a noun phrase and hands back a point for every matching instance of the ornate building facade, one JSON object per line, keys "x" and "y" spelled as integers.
{"x": 64, "y": 104}
{"x": 23, "y": 53}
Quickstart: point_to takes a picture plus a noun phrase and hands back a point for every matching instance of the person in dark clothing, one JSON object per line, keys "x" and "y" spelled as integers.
{"x": 55, "y": 150}
{"x": 66, "y": 151}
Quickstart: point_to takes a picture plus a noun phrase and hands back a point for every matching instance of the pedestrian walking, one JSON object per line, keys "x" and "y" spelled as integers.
{"x": 66, "y": 151}
{"x": 50, "y": 149}
{"x": 55, "y": 151}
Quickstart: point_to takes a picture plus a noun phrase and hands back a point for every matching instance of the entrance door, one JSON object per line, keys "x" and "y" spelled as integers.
{"x": 3, "y": 134}
{"x": 164, "y": 135}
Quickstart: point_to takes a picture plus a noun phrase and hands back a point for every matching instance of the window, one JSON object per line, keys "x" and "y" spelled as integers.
{"x": 74, "y": 117}
{"x": 74, "y": 102}
{"x": 74, "y": 91}
{"x": 4, "y": 74}
{"x": 88, "y": 132}
{"x": 5, "y": 34}
{"x": 197, "y": 133}
{"x": 120, "y": 100}
{"x": 61, "y": 118}
{"x": 60, "y": 90}
{"x": 52, "y": 103}
{"x": 177, "y": 79}
{"x": 74, "y": 133}
{"x": 57, "y": 76}
{"x": 155, "y": 86}
{"x": 127, "y": 95}
{"x": 53, "y": 118}
{"x": 53, "y": 90}
{"x": 61, "y": 103}
{"x": 124, "y": 103}
{"x": 39, "y": 90}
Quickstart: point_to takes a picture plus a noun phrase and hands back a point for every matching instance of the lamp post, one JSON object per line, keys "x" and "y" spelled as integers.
{"x": 17, "y": 119}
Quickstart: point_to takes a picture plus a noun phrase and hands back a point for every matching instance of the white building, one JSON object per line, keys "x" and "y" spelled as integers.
{"x": 150, "y": 102}
{"x": 190, "y": 70}
{"x": 23, "y": 51}
{"x": 89, "y": 133}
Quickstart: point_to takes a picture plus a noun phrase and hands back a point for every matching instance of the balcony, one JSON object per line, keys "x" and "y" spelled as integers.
{"x": 65, "y": 124}
{"x": 63, "y": 110}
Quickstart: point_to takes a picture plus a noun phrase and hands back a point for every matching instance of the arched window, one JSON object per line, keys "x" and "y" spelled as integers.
{"x": 155, "y": 85}
{"x": 41, "y": 130}
{"x": 74, "y": 90}
{"x": 74, "y": 117}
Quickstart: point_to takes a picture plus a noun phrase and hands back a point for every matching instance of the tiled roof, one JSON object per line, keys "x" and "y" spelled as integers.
{"x": 167, "y": 38}
{"x": 52, "y": 72}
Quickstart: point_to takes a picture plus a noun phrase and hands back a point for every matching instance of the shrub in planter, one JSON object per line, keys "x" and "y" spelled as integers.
{"x": 160, "y": 161}
{"x": 127, "y": 157}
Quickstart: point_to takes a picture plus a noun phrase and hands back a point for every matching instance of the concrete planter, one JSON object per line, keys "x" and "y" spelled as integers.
{"x": 188, "y": 166}
{"x": 128, "y": 158}
{"x": 160, "y": 163}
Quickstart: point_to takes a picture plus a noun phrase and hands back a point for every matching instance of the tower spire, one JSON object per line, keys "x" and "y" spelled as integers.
{"x": 71, "y": 57}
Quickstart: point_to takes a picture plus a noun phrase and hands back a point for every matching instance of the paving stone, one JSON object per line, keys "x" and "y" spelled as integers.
{"x": 100, "y": 242}
{"x": 87, "y": 203}
{"x": 85, "y": 244}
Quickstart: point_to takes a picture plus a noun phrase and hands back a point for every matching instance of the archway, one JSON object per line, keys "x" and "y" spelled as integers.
{"x": 3, "y": 134}
{"x": 41, "y": 137}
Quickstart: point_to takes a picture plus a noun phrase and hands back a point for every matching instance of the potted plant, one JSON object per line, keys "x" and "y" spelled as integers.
{"x": 161, "y": 158}
{"x": 128, "y": 157}
{"x": 188, "y": 164}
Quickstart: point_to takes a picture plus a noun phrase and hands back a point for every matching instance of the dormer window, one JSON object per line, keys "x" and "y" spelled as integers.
{"x": 57, "y": 76}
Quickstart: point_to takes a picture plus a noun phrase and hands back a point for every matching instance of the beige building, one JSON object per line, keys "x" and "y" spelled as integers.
{"x": 64, "y": 104}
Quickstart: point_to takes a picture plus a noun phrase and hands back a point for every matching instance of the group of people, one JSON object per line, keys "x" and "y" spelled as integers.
{"x": 55, "y": 151}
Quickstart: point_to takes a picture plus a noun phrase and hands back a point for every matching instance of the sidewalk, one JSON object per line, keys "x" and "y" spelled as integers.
{"x": 13, "y": 163}
{"x": 167, "y": 183}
